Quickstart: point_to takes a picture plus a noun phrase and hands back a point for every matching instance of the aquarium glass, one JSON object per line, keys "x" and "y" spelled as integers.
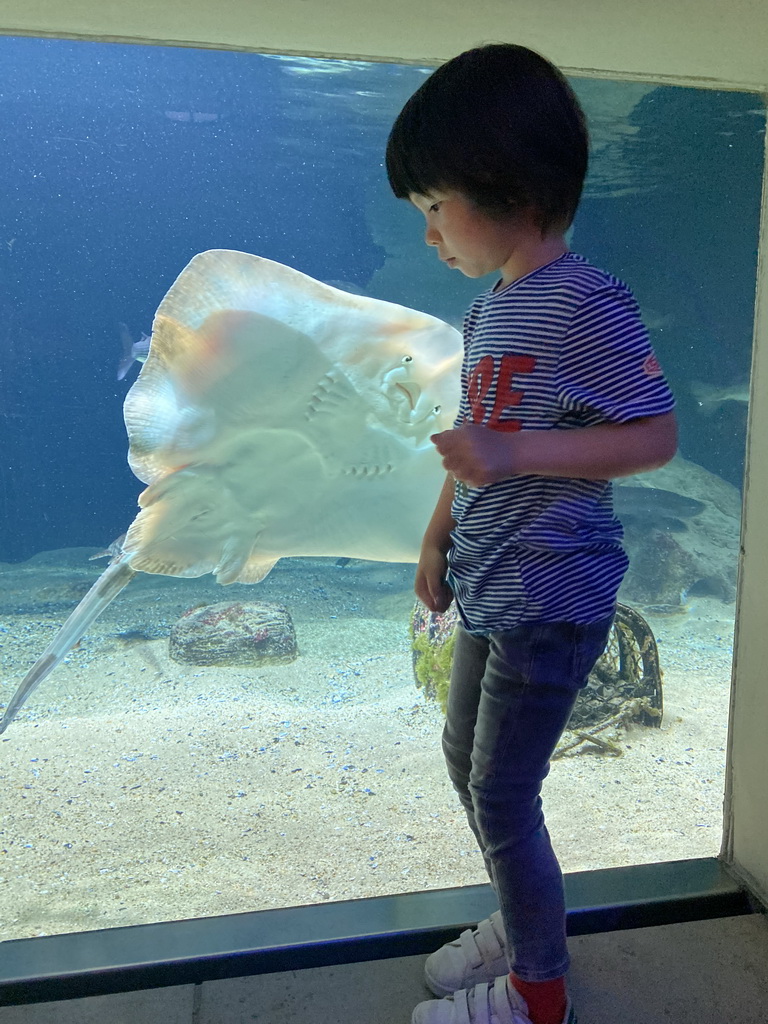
{"x": 137, "y": 788}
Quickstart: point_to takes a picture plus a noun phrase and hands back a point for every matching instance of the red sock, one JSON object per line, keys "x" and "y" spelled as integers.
{"x": 546, "y": 999}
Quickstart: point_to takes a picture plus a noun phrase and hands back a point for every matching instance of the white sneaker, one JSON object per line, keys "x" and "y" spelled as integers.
{"x": 477, "y": 955}
{"x": 498, "y": 1003}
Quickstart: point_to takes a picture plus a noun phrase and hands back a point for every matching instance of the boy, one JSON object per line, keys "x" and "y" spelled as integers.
{"x": 561, "y": 392}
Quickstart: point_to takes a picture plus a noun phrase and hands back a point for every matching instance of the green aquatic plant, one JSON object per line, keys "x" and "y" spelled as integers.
{"x": 433, "y": 638}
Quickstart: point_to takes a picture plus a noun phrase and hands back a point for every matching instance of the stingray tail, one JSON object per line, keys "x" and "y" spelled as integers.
{"x": 106, "y": 588}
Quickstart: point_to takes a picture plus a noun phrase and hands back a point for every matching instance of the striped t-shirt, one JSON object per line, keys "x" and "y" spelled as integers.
{"x": 562, "y": 347}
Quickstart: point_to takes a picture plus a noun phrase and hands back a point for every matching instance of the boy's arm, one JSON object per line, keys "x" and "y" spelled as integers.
{"x": 478, "y": 455}
{"x": 430, "y": 583}
{"x": 438, "y": 534}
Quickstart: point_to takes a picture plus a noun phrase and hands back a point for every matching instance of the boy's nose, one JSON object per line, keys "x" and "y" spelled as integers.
{"x": 431, "y": 237}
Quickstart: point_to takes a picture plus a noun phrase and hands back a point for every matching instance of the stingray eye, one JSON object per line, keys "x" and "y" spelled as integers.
{"x": 407, "y": 359}
{"x": 436, "y": 410}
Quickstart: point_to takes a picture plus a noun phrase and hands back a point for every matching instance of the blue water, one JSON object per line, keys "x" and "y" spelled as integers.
{"x": 119, "y": 163}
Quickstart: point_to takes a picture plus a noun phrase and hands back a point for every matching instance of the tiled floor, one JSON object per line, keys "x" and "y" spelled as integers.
{"x": 705, "y": 972}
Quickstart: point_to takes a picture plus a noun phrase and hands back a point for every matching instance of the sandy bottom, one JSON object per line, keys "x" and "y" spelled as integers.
{"x": 137, "y": 789}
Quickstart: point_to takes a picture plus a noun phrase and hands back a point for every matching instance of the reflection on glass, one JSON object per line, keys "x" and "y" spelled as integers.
{"x": 139, "y": 788}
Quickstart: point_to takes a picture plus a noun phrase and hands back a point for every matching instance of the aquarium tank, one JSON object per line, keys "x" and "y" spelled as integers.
{"x": 141, "y": 784}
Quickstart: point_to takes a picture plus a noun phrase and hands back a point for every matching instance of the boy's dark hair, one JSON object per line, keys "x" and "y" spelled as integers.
{"x": 499, "y": 124}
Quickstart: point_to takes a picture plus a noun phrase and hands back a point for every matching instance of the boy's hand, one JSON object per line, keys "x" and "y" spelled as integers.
{"x": 430, "y": 585}
{"x": 475, "y": 455}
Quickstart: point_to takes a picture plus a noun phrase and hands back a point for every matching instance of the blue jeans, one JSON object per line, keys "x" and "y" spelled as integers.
{"x": 510, "y": 698}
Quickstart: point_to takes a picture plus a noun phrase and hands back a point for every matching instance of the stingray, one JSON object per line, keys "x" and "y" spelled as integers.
{"x": 654, "y": 507}
{"x": 274, "y": 416}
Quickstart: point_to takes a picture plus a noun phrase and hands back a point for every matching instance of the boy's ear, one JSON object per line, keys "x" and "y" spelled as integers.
{"x": 519, "y": 208}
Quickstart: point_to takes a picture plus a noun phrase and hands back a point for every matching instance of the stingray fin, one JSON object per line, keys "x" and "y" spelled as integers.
{"x": 255, "y": 569}
{"x": 103, "y": 592}
{"x": 238, "y": 565}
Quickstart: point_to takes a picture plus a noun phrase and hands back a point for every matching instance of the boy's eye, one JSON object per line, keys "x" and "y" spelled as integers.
{"x": 434, "y": 207}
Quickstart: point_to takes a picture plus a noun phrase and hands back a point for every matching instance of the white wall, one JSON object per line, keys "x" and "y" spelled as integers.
{"x": 723, "y": 43}
{"x": 719, "y": 39}
{"x": 746, "y": 838}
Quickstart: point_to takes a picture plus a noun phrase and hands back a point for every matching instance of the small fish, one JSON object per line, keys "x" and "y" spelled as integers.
{"x": 710, "y": 397}
{"x": 112, "y": 552}
{"x": 191, "y": 115}
{"x": 666, "y": 609}
{"x": 656, "y": 321}
{"x": 133, "y": 351}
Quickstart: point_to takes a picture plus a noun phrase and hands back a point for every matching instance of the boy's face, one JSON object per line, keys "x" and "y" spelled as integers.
{"x": 467, "y": 239}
